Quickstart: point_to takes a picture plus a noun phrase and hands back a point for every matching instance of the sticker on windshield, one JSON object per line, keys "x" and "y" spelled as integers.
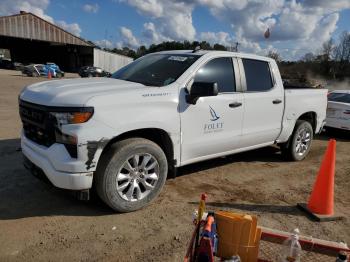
{"x": 178, "y": 58}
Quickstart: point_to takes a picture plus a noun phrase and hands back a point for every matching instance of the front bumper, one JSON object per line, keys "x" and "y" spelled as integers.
{"x": 47, "y": 159}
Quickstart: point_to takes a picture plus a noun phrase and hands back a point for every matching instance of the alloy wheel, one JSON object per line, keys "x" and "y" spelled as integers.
{"x": 137, "y": 177}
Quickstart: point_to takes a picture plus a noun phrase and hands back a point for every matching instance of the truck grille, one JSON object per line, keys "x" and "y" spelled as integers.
{"x": 38, "y": 126}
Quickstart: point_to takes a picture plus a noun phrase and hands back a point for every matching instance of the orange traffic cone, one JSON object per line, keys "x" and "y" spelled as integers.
{"x": 320, "y": 205}
{"x": 49, "y": 75}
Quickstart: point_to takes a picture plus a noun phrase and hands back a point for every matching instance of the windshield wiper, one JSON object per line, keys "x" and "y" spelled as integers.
{"x": 141, "y": 82}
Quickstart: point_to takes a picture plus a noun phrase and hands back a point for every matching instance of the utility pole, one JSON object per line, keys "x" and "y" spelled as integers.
{"x": 236, "y": 47}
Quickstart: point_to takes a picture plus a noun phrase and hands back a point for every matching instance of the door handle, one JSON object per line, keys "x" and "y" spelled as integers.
{"x": 235, "y": 104}
{"x": 277, "y": 101}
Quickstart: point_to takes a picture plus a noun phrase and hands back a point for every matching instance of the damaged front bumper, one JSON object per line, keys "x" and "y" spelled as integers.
{"x": 57, "y": 165}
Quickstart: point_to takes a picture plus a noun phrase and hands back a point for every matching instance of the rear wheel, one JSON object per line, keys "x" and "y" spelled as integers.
{"x": 299, "y": 144}
{"x": 35, "y": 74}
{"x": 131, "y": 174}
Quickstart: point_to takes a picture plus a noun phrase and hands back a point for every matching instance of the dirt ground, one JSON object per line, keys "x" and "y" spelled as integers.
{"x": 41, "y": 223}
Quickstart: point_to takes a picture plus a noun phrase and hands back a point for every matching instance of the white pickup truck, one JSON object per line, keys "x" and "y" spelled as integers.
{"x": 124, "y": 134}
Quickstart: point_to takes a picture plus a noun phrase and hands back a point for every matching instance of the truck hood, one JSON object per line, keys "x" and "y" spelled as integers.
{"x": 75, "y": 92}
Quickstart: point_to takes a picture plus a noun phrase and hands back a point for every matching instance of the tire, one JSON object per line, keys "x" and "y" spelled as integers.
{"x": 135, "y": 189}
{"x": 35, "y": 74}
{"x": 299, "y": 144}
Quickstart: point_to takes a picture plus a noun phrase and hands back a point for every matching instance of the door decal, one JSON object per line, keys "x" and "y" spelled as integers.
{"x": 213, "y": 127}
{"x": 213, "y": 114}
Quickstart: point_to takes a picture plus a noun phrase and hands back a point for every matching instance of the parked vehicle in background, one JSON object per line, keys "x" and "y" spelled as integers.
{"x": 36, "y": 70}
{"x": 9, "y": 64}
{"x": 6, "y": 64}
{"x": 54, "y": 69}
{"x": 338, "y": 110}
{"x": 163, "y": 111}
{"x": 18, "y": 66}
{"x": 92, "y": 71}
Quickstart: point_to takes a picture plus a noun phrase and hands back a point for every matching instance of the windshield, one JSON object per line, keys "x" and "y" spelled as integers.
{"x": 339, "y": 97}
{"x": 157, "y": 69}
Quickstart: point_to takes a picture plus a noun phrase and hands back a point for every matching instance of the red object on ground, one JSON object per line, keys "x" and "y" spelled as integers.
{"x": 322, "y": 196}
{"x": 49, "y": 75}
{"x": 210, "y": 221}
{"x": 205, "y": 250}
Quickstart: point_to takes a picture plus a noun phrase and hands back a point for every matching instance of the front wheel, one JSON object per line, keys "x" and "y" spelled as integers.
{"x": 299, "y": 144}
{"x": 131, "y": 174}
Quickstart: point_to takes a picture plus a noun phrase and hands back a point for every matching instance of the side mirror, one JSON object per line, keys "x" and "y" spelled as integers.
{"x": 201, "y": 89}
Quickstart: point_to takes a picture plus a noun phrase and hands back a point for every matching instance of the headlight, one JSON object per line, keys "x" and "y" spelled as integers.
{"x": 65, "y": 116}
{"x": 80, "y": 116}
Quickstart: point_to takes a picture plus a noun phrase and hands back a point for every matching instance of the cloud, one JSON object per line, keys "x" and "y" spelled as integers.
{"x": 222, "y": 38}
{"x": 91, "y": 8}
{"x": 302, "y": 25}
{"x": 173, "y": 18}
{"x": 152, "y": 35}
{"x": 37, "y": 7}
{"x": 147, "y": 7}
{"x": 128, "y": 38}
{"x": 334, "y": 5}
{"x": 105, "y": 44}
{"x": 73, "y": 28}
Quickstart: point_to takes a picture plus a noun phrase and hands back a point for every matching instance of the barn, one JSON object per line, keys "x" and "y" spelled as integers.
{"x": 31, "y": 39}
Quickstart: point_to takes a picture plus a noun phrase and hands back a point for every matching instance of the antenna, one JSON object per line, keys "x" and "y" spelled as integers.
{"x": 197, "y": 48}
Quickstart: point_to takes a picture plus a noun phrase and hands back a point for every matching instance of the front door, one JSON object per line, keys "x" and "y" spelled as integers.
{"x": 214, "y": 124}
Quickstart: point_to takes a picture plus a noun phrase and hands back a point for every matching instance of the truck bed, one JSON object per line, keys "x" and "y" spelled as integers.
{"x": 299, "y": 101}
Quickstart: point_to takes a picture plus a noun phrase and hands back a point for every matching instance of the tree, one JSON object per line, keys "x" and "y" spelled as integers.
{"x": 168, "y": 45}
{"x": 205, "y": 45}
{"x": 342, "y": 54}
{"x": 219, "y": 47}
{"x": 342, "y": 50}
{"x": 327, "y": 50}
{"x": 308, "y": 57}
{"x": 275, "y": 55}
{"x": 325, "y": 57}
{"x": 141, "y": 51}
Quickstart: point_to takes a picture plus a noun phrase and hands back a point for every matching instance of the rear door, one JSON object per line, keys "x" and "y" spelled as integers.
{"x": 263, "y": 101}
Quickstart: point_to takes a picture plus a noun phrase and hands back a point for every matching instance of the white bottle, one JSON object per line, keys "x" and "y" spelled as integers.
{"x": 342, "y": 257}
{"x": 291, "y": 248}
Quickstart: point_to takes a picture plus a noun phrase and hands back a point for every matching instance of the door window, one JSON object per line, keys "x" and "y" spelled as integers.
{"x": 219, "y": 70}
{"x": 258, "y": 75}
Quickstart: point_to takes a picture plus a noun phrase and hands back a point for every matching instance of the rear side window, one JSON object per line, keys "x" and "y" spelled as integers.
{"x": 219, "y": 70}
{"x": 339, "y": 97}
{"x": 258, "y": 75}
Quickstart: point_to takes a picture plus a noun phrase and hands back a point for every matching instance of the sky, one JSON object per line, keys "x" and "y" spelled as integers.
{"x": 296, "y": 26}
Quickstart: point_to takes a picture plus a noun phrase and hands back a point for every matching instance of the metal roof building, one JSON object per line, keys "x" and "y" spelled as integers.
{"x": 32, "y": 39}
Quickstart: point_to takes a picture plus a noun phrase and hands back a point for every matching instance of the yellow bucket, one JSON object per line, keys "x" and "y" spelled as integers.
{"x": 238, "y": 235}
